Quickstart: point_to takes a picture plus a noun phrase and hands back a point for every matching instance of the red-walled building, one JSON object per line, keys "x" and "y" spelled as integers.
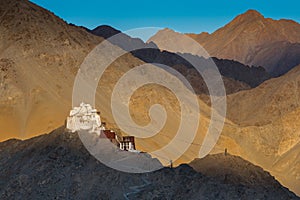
{"x": 126, "y": 143}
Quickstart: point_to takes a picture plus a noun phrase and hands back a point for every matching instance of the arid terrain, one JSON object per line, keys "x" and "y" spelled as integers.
{"x": 57, "y": 165}
{"x": 40, "y": 55}
{"x": 255, "y": 40}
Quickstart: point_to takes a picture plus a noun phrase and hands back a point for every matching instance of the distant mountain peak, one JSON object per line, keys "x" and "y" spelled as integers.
{"x": 106, "y": 27}
{"x": 167, "y": 30}
{"x": 105, "y": 31}
{"x": 253, "y": 13}
{"x": 249, "y": 15}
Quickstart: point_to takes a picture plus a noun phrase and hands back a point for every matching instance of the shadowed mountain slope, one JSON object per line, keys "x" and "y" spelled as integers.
{"x": 57, "y": 165}
{"x": 236, "y": 75}
{"x": 40, "y": 55}
{"x": 252, "y": 40}
{"x": 233, "y": 169}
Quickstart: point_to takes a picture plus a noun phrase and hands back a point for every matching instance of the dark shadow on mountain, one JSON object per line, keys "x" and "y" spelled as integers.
{"x": 238, "y": 76}
{"x": 57, "y": 166}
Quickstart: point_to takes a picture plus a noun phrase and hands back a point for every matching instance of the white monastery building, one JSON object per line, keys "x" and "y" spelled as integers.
{"x": 86, "y": 118}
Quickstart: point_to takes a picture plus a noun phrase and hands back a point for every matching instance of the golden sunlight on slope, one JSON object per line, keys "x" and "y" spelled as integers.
{"x": 40, "y": 55}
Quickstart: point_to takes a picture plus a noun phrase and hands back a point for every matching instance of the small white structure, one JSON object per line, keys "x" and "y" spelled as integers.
{"x": 130, "y": 148}
{"x": 84, "y": 117}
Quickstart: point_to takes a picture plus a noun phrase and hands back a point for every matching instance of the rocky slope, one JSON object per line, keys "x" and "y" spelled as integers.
{"x": 57, "y": 165}
{"x": 277, "y": 57}
{"x": 271, "y": 101}
{"x": 40, "y": 55}
{"x": 268, "y": 126}
{"x": 252, "y": 40}
{"x": 232, "y": 169}
{"x": 236, "y": 75}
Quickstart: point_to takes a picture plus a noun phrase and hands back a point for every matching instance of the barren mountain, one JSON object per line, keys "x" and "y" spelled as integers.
{"x": 250, "y": 39}
{"x": 262, "y": 126}
{"x": 231, "y": 169}
{"x": 236, "y": 75}
{"x": 57, "y": 165}
{"x": 277, "y": 57}
{"x": 39, "y": 57}
{"x": 104, "y": 31}
{"x": 268, "y": 120}
{"x": 40, "y": 54}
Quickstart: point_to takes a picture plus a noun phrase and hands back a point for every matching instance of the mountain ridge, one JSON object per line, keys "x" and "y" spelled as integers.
{"x": 64, "y": 169}
{"x": 242, "y": 39}
{"x": 38, "y": 65}
{"x": 230, "y": 70}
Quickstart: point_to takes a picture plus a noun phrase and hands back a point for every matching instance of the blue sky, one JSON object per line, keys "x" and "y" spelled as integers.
{"x": 183, "y": 16}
